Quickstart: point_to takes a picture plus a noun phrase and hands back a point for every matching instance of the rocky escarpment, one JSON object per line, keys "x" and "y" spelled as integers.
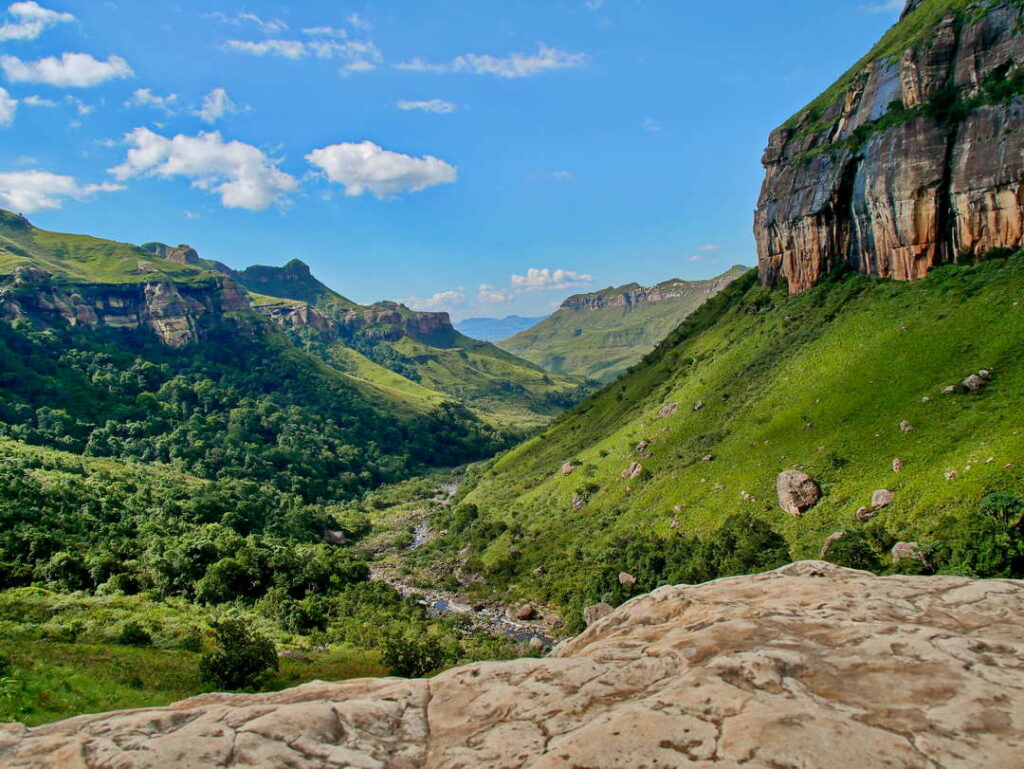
{"x": 914, "y": 159}
{"x": 634, "y": 294}
{"x": 177, "y": 313}
{"x": 808, "y": 666}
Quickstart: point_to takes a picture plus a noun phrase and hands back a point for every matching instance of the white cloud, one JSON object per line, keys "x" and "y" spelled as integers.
{"x": 8, "y": 108}
{"x": 71, "y": 70}
{"x": 338, "y": 32}
{"x": 30, "y": 191}
{"x": 489, "y": 294}
{"x": 709, "y": 247}
{"x": 366, "y": 167}
{"x": 438, "y": 301}
{"x": 543, "y": 279}
{"x": 512, "y": 66}
{"x": 652, "y": 125}
{"x": 359, "y": 55}
{"x": 144, "y": 97}
{"x": 216, "y": 104}
{"x": 266, "y": 26}
{"x": 30, "y": 21}
{"x": 357, "y": 22}
{"x": 240, "y": 173}
{"x": 38, "y": 101}
{"x": 437, "y": 106}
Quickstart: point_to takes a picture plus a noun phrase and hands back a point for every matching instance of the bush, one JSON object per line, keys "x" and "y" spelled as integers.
{"x": 854, "y": 551}
{"x": 133, "y": 634}
{"x": 241, "y": 657}
{"x": 413, "y": 656}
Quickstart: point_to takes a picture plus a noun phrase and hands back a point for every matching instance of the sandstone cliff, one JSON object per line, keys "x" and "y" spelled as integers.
{"x": 809, "y": 666}
{"x": 177, "y": 313}
{"x": 913, "y": 159}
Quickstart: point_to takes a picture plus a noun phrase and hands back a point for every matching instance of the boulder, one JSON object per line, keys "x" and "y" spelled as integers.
{"x": 906, "y": 427}
{"x": 798, "y": 492}
{"x": 908, "y": 551}
{"x": 811, "y": 665}
{"x": 882, "y": 498}
{"x": 949, "y": 390}
{"x": 897, "y": 465}
{"x": 698, "y": 405}
{"x": 525, "y": 612}
{"x": 625, "y": 578}
{"x": 578, "y": 501}
{"x": 830, "y": 540}
{"x": 668, "y": 410}
{"x": 642, "y": 446}
{"x": 635, "y": 470}
{"x": 536, "y": 643}
{"x": 334, "y": 537}
{"x": 568, "y": 468}
{"x": 864, "y": 514}
{"x": 985, "y": 374}
{"x": 974, "y": 383}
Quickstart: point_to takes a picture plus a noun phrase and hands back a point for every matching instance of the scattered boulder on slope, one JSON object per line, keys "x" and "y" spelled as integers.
{"x": 526, "y": 612}
{"x": 798, "y": 492}
{"x": 635, "y": 470}
{"x": 811, "y": 665}
{"x": 830, "y": 540}
{"x": 897, "y": 465}
{"x": 596, "y": 613}
{"x": 882, "y": 498}
{"x": 974, "y": 383}
{"x": 568, "y": 468}
{"x": 668, "y": 410}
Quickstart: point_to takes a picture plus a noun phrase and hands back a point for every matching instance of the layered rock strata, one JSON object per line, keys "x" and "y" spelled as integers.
{"x": 916, "y": 161}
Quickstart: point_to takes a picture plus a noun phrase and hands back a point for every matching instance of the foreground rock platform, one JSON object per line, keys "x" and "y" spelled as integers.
{"x": 808, "y": 666}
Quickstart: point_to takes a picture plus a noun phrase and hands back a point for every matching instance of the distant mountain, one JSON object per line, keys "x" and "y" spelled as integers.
{"x": 601, "y": 334}
{"x": 496, "y": 329}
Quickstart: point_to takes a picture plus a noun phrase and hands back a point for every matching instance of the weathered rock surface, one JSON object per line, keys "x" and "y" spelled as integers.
{"x": 798, "y": 492}
{"x": 808, "y": 666}
{"x": 895, "y": 199}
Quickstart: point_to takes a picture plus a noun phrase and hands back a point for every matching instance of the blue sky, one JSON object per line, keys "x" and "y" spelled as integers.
{"x": 485, "y": 157}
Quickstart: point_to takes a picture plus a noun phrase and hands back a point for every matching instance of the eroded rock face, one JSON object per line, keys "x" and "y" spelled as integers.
{"x": 811, "y": 665}
{"x": 895, "y": 201}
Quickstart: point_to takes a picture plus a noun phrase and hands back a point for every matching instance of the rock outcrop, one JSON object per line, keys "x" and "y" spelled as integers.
{"x": 634, "y": 294}
{"x": 912, "y": 161}
{"x": 177, "y": 313}
{"x": 798, "y": 492}
{"x": 811, "y": 666}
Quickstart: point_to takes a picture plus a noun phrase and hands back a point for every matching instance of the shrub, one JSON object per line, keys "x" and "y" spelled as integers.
{"x": 854, "y": 551}
{"x": 133, "y": 634}
{"x": 413, "y": 656}
{"x": 241, "y": 657}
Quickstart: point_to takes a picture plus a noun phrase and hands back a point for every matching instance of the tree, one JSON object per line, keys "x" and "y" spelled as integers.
{"x": 240, "y": 659}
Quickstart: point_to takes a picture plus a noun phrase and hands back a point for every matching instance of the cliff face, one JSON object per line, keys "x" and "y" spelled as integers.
{"x": 634, "y": 294}
{"x": 178, "y": 314}
{"x": 811, "y": 665}
{"x": 914, "y": 159}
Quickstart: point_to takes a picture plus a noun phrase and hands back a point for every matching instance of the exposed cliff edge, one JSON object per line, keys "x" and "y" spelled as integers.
{"x": 633, "y": 294}
{"x": 811, "y": 665}
{"x": 914, "y": 158}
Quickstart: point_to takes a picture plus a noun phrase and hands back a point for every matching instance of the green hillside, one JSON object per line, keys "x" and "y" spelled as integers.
{"x": 73, "y": 258}
{"x": 600, "y": 343}
{"x": 764, "y": 382}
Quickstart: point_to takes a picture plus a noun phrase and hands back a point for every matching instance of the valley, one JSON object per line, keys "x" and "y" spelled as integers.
{"x": 774, "y": 518}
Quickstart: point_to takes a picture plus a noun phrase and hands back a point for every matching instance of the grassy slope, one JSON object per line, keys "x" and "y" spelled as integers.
{"x": 83, "y": 258}
{"x": 499, "y": 387}
{"x": 600, "y": 344}
{"x": 819, "y": 381}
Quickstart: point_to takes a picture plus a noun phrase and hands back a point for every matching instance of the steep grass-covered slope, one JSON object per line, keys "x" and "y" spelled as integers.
{"x": 600, "y": 335}
{"x": 755, "y": 383}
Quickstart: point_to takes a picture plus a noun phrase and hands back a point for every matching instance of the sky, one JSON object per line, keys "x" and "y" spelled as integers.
{"x": 482, "y": 157}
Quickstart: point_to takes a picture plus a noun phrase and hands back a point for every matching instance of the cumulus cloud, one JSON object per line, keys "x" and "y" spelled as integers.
{"x": 240, "y": 173}
{"x": 438, "y": 301}
{"x": 30, "y": 20}
{"x": 144, "y": 97}
{"x": 514, "y": 65}
{"x": 216, "y": 104}
{"x": 437, "y": 106}
{"x": 30, "y": 191}
{"x": 543, "y": 279}
{"x": 8, "y": 108}
{"x": 71, "y": 70}
{"x": 366, "y": 167}
{"x": 709, "y": 247}
{"x": 489, "y": 294}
